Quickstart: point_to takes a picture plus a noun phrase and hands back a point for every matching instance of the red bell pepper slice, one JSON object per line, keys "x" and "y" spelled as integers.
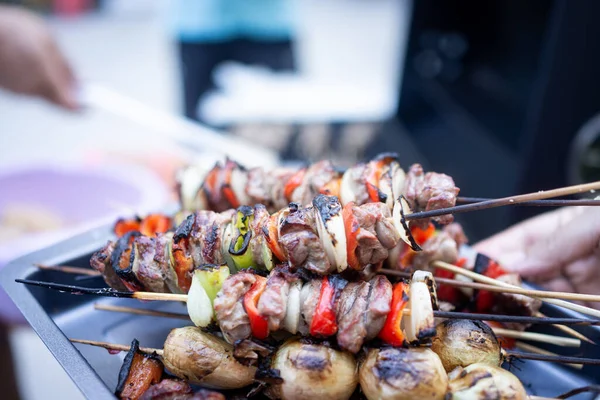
{"x": 123, "y": 226}
{"x": 155, "y": 223}
{"x": 292, "y": 183}
{"x": 271, "y": 234}
{"x": 373, "y": 177}
{"x": 391, "y": 333}
{"x": 324, "y": 320}
{"x": 352, "y": 228}
{"x": 448, "y": 293}
{"x": 226, "y": 189}
{"x": 485, "y": 300}
{"x": 258, "y": 324}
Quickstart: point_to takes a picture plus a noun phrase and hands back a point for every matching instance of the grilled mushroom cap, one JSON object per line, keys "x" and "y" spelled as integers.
{"x": 313, "y": 371}
{"x": 461, "y": 342}
{"x": 482, "y": 381}
{"x": 398, "y": 373}
{"x": 204, "y": 360}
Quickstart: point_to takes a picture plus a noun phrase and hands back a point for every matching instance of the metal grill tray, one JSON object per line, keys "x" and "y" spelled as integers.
{"x": 56, "y": 317}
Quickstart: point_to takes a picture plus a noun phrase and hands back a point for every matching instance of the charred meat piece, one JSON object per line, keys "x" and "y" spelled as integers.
{"x": 456, "y": 232}
{"x": 378, "y": 305}
{"x": 273, "y": 301}
{"x": 315, "y": 178}
{"x": 351, "y": 310}
{"x": 145, "y": 268}
{"x": 300, "y": 240}
{"x": 377, "y": 233}
{"x": 429, "y": 191}
{"x": 101, "y": 262}
{"x": 162, "y": 257}
{"x": 441, "y": 247}
{"x": 229, "y": 306}
{"x": 168, "y": 389}
{"x": 309, "y": 298}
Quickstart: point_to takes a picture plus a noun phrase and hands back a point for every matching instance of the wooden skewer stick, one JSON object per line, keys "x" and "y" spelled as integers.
{"x": 504, "y": 201}
{"x": 113, "y": 346}
{"x": 537, "y": 337}
{"x": 183, "y": 298}
{"x": 556, "y": 340}
{"x": 484, "y": 279}
{"x": 481, "y": 286}
{"x": 506, "y": 289}
{"x": 141, "y": 311}
{"x": 535, "y": 203}
{"x": 568, "y": 330}
{"x": 68, "y": 269}
{"x": 534, "y": 349}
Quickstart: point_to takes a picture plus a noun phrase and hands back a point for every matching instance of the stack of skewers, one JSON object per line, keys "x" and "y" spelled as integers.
{"x": 312, "y": 283}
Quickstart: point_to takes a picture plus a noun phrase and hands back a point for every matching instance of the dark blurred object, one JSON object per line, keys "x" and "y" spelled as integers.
{"x": 494, "y": 93}
{"x": 199, "y": 60}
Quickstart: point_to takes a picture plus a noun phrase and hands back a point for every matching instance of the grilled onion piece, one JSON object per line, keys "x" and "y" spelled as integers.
{"x": 419, "y": 325}
{"x": 398, "y": 373}
{"x": 204, "y": 360}
{"x": 330, "y": 226}
{"x": 461, "y": 342}
{"x": 482, "y": 381}
{"x": 313, "y": 371}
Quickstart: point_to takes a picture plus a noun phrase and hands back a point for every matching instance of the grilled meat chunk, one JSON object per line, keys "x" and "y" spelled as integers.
{"x": 309, "y": 298}
{"x": 273, "y": 301}
{"x": 315, "y": 177}
{"x": 377, "y": 233}
{"x": 378, "y": 305}
{"x": 101, "y": 262}
{"x": 301, "y": 242}
{"x": 351, "y": 309}
{"x": 229, "y": 306}
{"x": 168, "y": 389}
{"x": 441, "y": 247}
{"x": 429, "y": 191}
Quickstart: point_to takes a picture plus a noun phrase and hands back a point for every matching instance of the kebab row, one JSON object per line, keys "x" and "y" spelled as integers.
{"x": 230, "y": 185}
{"x": 320, "y": 239}
{"x": 463, "y": 362}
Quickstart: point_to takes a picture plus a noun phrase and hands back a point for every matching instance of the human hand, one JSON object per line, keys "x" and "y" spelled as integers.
{"x": 559, "y": 250}
{"x": 30, "y": 61}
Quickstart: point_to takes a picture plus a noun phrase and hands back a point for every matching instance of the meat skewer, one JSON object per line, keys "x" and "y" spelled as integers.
{"x": 484, "y": 279}
{"x": 508, "y": 333}
{"x": 230, "y": 185}
{"x": 247, "y": 305}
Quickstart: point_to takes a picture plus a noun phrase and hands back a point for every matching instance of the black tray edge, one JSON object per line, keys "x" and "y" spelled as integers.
{"x": 72, "y": 361}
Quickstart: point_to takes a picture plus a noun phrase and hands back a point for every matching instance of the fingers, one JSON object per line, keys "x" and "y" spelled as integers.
{"x": 572, "y": 239}
{"x": 510, "y": 246}
{"x": 59, "y": 86}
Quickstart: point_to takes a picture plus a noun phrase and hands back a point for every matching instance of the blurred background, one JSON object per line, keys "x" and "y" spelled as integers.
{"x": 501, "y": 95}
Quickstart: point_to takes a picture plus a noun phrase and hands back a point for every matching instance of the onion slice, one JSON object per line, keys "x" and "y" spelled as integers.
{"x": 347, "y": 187}
{"x": 189, "y": 187}
{"x": 401, "y": 209}
{"x": 420, "y": 324}
{"x": 292, "y": 316}
{"x": 398, "y": 179}
{"x": 238, "y": 181}
{"x": 199, "y": 306}
{"x": 330, "y": 226}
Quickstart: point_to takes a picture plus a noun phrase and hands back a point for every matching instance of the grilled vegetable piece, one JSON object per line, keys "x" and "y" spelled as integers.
{"x": 204, "y": 360}
{"x": 138, "y": 372}
{"x": 403, "y": 374}
{"x": 484, "y": 381}
{"x": 313, "y": 371}
{"x": 460, "y": 343}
